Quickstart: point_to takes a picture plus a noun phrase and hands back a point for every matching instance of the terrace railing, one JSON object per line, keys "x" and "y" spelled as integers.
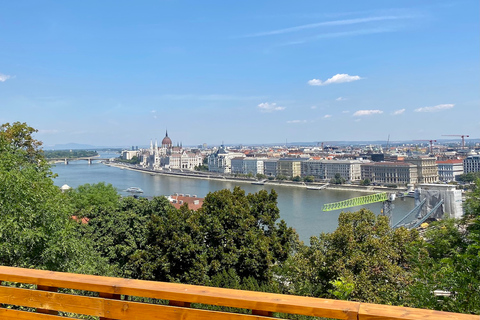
{"x": 46, "y": 295}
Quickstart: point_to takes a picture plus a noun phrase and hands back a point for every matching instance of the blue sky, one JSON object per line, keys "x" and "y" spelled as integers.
{"x": 121, "y": 72}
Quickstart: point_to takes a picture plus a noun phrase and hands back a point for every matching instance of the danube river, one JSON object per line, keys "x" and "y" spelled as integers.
{"x": 300, "y": 208}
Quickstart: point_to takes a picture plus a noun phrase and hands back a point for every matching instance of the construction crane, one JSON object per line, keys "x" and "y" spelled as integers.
{"x": 431, "y": 144}
{"x": 458, "y": 135}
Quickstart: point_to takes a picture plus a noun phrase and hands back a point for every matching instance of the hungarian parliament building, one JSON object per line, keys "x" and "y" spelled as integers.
{"x": 165, "y": 156}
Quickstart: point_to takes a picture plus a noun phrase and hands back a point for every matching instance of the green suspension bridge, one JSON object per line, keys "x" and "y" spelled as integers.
{"x": 358, "y": 201}
{"x": 412, "y": 220}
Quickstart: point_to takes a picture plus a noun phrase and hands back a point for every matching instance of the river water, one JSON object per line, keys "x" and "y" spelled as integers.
{"x": 300, "y": 208}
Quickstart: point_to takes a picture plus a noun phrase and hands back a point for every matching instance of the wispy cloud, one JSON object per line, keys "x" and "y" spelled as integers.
{"x": 207, "y": 97}
{"x": 340, "y": 99}
{"x": 327, "y": 116}
{"x": 398, "y": 112}
{"x": 313, "y": 107}
{"x": 338, "y": 78}
{"x": 4, "y": 77}
{"x": 269, "y": 107}
{"x": 345, "y": 111}
{"x": 297, "y": 121}
{"x": 361, "y": 113}
{"x": 435, "y": 108}
{"x": 326, "y": 24}
{"x": 358, "y": 32}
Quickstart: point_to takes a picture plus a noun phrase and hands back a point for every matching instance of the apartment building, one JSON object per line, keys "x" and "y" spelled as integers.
{"x": 427, "y": 168}
{"x": 289, "y": 167}
{"x": 448, "y": 170}
{"x": 390, "y": 172}
{"x": 270, "y": 167}
{"x": 350, "y": 170}
{"x": 471, "y": 164}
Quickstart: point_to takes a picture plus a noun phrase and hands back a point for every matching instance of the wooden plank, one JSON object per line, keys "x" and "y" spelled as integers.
{"x": 10, "y": 314}
{"x": 51, "y": 289}
{"x": 369, "y": 311}
{"x": 109, "y": 296}
{"x": 51, "y": 301}
{"x": 187, "y": 293}
{"x": 108, "y": 308}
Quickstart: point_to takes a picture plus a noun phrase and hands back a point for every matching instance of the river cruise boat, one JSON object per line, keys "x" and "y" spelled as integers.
{"x": 134, "y": 190}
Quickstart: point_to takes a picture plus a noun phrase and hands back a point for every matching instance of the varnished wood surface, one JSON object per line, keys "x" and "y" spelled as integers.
{"x": 370, "y": 311}
{"x": 109, "y": 306}
{"x": 269, "y": 302}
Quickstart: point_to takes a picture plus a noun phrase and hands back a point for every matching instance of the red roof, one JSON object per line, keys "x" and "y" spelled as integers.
{"x": 194, "y": 203}
{"x": 451, "y": 161}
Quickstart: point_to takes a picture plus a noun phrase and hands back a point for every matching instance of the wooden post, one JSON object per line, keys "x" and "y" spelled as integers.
{"x": 179, "y": 303}
{"x": 262, "y": 313}
{"x": 51, "y": 289}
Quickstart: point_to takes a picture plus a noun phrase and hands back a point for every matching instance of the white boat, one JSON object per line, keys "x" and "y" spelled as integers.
{"x": 260, "y": 182}
{"x": 134, "y": 190}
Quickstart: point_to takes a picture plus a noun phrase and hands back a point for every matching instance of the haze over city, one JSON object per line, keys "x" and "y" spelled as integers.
{"x": 116, "y": 73}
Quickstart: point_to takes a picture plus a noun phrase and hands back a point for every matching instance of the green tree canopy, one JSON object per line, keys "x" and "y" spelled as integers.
{"x": 36, "y": 229}
{"x": 364, "y": 254}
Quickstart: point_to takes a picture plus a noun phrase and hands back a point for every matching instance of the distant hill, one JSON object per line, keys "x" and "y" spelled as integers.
{"x": 70, "y": 146}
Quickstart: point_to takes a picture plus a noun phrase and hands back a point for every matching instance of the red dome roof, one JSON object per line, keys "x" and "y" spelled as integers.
{"x": 166, "y": 141}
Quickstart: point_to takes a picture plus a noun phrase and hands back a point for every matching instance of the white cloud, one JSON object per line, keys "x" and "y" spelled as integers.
{"x": 398, "y": 112}
{"x": 340, "y": 99}
{"x": 270, "y": 107}
{"x": 297, "y": 121}
{"x": 327, "y": 116}
{"x": 435, "y": 108}
{"x": 338, "y": 78}
{"x": 4, "y": 77}
{"x": 360, "y": 113}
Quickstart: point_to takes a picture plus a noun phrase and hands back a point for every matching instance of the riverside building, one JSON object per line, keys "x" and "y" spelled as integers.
{"x": 350, "y": 170}
{"x": 471, "y": 164}
{"x": 449, "y": 170}
{"x": 402, "y": 173}
{"x": 427, "y": 168}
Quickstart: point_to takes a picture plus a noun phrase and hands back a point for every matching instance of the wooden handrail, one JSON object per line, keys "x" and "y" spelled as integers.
{"x": 108, "y": 304}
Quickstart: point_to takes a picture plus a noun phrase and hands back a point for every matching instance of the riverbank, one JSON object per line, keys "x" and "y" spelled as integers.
{"x": 216, "y": 177}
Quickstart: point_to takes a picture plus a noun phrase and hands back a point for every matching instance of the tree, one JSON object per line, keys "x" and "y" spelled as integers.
{"x": 363, "y": 259}
{"x": 365, "y": 182}
{"x": 449, "y": 260}
{"x": 91, "y": 200}
{"x": 232, "y": 235}
{"x": 309, "y": 178}
{"x": 119, "y": 231}
{"x": 337, "y": 179}
{"x": 297, "y": 178}
{"x": 36, "y": 229}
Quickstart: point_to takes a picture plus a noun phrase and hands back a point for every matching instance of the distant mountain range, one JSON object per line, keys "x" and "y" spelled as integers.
{"x": 77, "y": 146}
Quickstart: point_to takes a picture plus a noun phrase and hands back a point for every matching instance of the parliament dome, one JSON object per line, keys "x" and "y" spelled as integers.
{"x": 166, "y": 142}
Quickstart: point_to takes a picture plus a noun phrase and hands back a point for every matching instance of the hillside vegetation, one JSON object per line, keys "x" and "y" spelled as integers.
{"x": 235, "y": 240}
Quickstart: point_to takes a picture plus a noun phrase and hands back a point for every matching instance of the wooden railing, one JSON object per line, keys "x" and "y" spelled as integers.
{"x": 48, "y": 295}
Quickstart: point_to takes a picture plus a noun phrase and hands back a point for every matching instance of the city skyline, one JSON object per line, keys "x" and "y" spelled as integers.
{"x": 110, "y": 73}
